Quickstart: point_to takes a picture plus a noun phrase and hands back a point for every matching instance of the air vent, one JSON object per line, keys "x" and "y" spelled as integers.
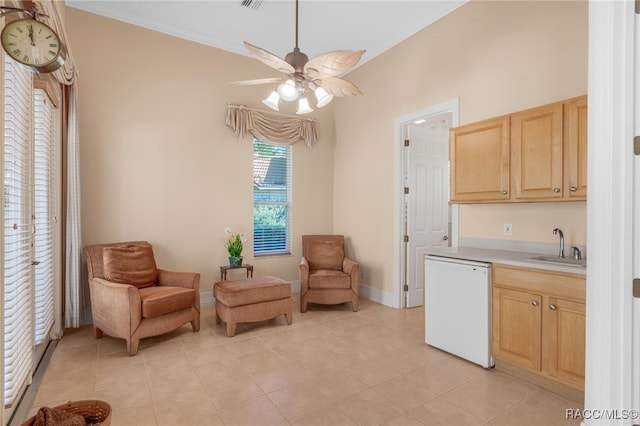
{"x": 252, "y": 4}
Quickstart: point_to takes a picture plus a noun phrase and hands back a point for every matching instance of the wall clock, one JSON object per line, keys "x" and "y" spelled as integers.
{"x": 33, "y": 44}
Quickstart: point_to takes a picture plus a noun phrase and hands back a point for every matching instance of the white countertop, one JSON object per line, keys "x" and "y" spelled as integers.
{"x": 505, "y": 257}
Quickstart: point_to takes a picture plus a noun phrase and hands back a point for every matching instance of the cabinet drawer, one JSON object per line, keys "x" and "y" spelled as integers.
{"x": 569, "y": 286}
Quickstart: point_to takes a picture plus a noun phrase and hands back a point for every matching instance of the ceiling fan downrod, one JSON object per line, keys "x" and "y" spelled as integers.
{"x": 297, "y": 59}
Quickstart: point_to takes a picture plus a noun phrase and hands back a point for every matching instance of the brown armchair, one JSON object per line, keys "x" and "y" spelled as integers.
{"x": 327, "y": 276}
{"x": 132, "y": 299}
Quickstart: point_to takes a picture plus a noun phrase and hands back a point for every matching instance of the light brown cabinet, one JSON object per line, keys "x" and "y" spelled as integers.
{"x": 575, "y": 114}
{"x": 479, "y": 158}
{"x": 539, "y": 322}
{"x": 564, "y": 325}
{"x": 536, "y": 153}
{"x": 517, "y": 326}
{"x": 539, "y": 154}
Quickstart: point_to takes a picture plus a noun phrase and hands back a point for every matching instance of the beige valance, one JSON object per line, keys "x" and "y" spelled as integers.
{"x": 271, "y": 127}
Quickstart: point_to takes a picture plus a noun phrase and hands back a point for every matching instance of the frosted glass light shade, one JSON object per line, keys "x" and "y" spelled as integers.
{"x": 272, "y": 100}
{"x": 303, "y": 106}
{"x": 288, "y": 91}
{"x": 323, "y": 97}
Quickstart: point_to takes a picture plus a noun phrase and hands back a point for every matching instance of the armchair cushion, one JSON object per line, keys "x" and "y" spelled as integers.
{"x": 130, "y": 264}
{"x": 325, "y": 254}
{"x": 329, "y": 279}
{"x": 159, "y": 300}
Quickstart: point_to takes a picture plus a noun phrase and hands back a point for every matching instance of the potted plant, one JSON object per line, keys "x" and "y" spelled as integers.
{"x": 234, "y": 245}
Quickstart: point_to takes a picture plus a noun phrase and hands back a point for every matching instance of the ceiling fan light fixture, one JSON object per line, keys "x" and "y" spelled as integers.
{"x": 305, "y": 75}
{"x": 288, "y": 91}
{"x": 272, "y": 100}
{"x": 322, "y": 97}
{"x": 303, "y": 106}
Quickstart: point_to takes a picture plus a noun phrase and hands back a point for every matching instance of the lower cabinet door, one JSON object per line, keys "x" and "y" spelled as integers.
{"x": 517, "y": 326}
{"x": 564, "y": 340}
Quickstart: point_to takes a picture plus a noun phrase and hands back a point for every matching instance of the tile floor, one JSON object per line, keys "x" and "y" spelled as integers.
{"x": 331, "y": 367}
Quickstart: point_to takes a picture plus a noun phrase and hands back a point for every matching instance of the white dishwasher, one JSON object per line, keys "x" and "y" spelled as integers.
{"x": 458, "y": 307}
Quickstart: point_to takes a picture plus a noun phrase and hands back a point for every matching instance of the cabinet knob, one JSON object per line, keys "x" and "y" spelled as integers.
{"x": 553, "y": 307}
{"x": 534, "y": 302}
{"x": 556, "y": 190}
{"x": 573, "y": 189}
{"x": 504, "y": 192}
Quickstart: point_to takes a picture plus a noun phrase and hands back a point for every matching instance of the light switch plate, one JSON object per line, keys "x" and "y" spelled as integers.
{"x": 508, "y": 229}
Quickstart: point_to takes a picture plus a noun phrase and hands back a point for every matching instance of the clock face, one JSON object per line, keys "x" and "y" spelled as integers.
{"x": 33, "y": 44}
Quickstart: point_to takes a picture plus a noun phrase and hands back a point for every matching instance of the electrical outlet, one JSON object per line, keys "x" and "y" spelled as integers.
{"x": 363, "y": 275}
{"x": 508, "y": 230}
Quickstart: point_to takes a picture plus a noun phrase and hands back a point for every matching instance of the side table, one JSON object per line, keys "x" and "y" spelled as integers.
{"x": 225, "y": 268}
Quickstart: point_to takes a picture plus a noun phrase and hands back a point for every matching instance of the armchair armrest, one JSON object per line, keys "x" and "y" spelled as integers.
{"x": 179, "y": 279}
{"x": 116, "y": 307}
{"x": 348, "y": 265}
{"x": 304, "y": 275}
{"x": 353, "y": 269}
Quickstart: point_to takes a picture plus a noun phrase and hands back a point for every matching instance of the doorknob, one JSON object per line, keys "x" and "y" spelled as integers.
{"x": 446, "y": 237}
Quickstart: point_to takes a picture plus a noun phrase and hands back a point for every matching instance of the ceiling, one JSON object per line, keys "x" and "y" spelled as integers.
{"x": 324, "y": 25}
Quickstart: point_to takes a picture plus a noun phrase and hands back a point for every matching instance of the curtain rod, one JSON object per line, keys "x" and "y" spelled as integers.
{"x": 269, "y": 112}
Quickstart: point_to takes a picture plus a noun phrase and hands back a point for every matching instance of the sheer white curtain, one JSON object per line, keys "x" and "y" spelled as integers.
{"x": 73, "y": 283}
{"x": 66, "y": 75}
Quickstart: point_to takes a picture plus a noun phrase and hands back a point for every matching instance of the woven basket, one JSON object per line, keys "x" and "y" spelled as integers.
{"x": 95, "y": 412}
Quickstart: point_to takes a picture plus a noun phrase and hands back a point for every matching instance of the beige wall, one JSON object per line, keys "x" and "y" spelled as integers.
{"x": 497, "y": 57}
{"x": 159, "y": 164}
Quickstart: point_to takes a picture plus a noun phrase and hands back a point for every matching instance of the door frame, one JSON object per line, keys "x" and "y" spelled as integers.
{"x": 452, "y": 106}
{"x": 612, "y": 379}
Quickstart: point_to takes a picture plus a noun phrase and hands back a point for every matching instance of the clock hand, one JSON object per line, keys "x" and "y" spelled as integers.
{"x": 31, "y": 35}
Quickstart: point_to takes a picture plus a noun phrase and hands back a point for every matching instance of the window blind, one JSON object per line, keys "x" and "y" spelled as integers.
{"x": 44, "y": 213}
{"x": 18, "y": 294}
{"x": 271, "y": 199}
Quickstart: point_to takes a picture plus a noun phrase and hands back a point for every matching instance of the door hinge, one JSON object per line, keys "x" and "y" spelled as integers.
{"x": 406, "y": 142}
{"x": 636, "y": 287}
{"x": 406, "y": 238}
{"x": 406, "y": 189}
{"x": 406, "y": 287}
{"x": 636, "y": 140}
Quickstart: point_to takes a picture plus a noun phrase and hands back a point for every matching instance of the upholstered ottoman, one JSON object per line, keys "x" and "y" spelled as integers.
{"x": 251, "y": 299}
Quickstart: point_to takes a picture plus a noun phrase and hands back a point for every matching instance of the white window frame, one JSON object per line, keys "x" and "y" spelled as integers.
{"x": 260, "y": 170}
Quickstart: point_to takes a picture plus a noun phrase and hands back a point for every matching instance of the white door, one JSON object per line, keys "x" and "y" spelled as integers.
{"x": 427, "y": 201}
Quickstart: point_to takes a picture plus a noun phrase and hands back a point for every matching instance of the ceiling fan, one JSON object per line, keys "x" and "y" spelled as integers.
{"x": 303, "y": 75}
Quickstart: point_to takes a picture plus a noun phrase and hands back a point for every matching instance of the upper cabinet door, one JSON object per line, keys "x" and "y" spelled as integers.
{"x": 479, "y": 161}
{"x": 536, "y": 149}
{"x": 575, "y": 116}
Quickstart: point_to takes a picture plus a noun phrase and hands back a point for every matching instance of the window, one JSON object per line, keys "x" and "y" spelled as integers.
{"x": 30, "y": 232}
{"x": 18, "y": 273}
{"x": 44, "y": 208}
{"x": 271, "y": 199}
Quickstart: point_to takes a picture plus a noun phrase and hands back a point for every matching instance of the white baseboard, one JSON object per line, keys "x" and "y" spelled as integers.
{"x": 376, "y": 295}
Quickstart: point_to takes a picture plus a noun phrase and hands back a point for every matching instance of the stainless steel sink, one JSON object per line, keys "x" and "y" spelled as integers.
{"x": 564, "y": 261}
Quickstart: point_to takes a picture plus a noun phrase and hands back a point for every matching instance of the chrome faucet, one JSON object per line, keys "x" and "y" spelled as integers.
{"x": 557, "y": 231}
{"x": 577, "y": 254}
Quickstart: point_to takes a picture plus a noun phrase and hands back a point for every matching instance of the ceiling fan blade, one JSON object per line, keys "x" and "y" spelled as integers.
{"x": 333, "y": 63}
{"x": 269, "y": 58}
{"x": 339, "y": 87}
{"x": 256, "y": 81}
